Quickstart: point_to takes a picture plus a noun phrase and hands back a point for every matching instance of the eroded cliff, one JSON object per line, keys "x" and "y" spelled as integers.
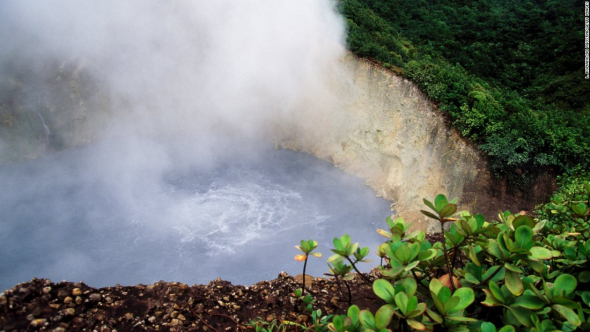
{"x": 386, "y": 131}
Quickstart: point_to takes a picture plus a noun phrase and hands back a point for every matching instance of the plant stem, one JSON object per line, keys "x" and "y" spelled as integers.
{"x": 487, "y": 279}
{"x": 304, "y": 266}
{"x": 359, "y": 272}
{"x": 349, "y": 293}
{"x": 447, "y": 259}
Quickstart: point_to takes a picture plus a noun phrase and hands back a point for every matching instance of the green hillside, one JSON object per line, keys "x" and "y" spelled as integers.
{"x": 510, "y": 74}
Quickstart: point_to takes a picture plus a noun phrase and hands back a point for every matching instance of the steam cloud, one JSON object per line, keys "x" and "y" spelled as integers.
{"x": 187, "y": 81}
{"x": 185, "y": 84}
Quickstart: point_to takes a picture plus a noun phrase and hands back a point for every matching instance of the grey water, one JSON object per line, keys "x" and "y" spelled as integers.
{"x": 238, "y": 220}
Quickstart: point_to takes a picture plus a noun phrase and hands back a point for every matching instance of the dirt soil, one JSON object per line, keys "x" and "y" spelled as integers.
{"x": 41, "y": 305}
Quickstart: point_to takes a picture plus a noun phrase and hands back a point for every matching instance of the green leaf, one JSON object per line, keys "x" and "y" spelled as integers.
{"x": 491, "y": 300}
{"x": 451, "y": 304}
{"x": 523, "y": 220}
{"x": 403, "y": 253}
{"x": 444, "y": 294}
{"x": 414, "y": 250}
{"x": 568, "y": 314}
{"x": 411, "y": 265}
{"x": 524, "y": 237}
{"x": 564, "y": 285}
{"x": 461, "y": 319}
{"x": 447, "y": 211}
{"x": 529, "y": 302}
{"x": 466, "y": 297}
{"x": 512, "y": 268}
{"x": 523, "y": 315}
{"x": 497, "y": 292}
{"x": 416, "y": 325}
{"x": 429, "y": 214}
{"x": 438, "y": 303}
{"x": 435, "y": 286}
{"x": 353, "y": 313}
{"x": 385, "y": 233}
{"x": 419, "y": 310}
{"x": 435, "y": 316}
{"x": 427, "y": 254}
{"x": 409, "y": 285}
{"x": 540, "y": 253}
{"x": 495, "y": 250}
{"x": 429, "y": 204}
{"x": 383, "y": 316}
{"x": 584, "y": 276}
{"x": 401, "y": 300}
{"x": 513, "y": 283}
{"x": 366, "y": 319}
{"x": 473, "y": 255}
{"x": 507, "y": 328}
{"x": 497, "y": 276}
{"x": 488, "y": 327}
{"x": 384, "y": 290}
{"x": 440, "y": 201}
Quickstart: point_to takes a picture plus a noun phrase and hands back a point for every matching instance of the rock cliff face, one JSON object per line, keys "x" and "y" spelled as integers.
{"x": 386, "y": 131}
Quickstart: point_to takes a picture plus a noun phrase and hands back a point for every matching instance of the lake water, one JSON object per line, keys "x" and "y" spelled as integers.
{"x": 237, "y": 220}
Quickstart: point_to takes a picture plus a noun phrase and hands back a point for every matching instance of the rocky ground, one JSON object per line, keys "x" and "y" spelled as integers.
{"x": 43, "y": 305}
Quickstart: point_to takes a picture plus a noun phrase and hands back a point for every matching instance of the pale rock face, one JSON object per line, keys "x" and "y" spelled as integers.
{"x": 387, "y": 132}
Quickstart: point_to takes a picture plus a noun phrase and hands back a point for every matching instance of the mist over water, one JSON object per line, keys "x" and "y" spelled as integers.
{"x": 178, "y": 182}
{"x": 238, "y": 221}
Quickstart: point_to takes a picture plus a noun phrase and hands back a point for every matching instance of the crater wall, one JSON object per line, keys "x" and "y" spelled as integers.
{"x": 386, "y": 131}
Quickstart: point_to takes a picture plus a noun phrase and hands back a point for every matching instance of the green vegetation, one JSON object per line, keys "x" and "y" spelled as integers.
{"x": 515, "y": 273}
{"x": 509, "y": 74}
{"x": 510, "y": 78}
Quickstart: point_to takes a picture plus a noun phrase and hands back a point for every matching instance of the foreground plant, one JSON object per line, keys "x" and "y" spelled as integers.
{"x": 513, "y": 273}
{"x": 306, "y": 247}
{"x": 345, "y": 249}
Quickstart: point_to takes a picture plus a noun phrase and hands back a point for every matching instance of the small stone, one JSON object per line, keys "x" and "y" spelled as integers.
{"x": 46, "y": 290}
{"x": 59, "y": 329}
{"x": 152, "y": 319}
{"x": 78, "y": 300}
{"x": 67, "y": 300}
{"x": 94, "y": 297}
{"x": 270, "y": 318}
{"x": 69, "y": 311}
{"x": 76, "y": 292}
{"x": 181, "y": 317}
{"x": 334, "y": 301}
{"x": 54, "y": 305}
{"x": 39, "y": 322}
{"x": 129, "y": 316}
{"x": 62, "y": 293}
{"x": 175, "y": 322}
{"x": 221, "y": 303}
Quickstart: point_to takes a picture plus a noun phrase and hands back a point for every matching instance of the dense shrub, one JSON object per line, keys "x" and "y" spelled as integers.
{"x": 514, "y": 273}
{"x": 504, "y": 71}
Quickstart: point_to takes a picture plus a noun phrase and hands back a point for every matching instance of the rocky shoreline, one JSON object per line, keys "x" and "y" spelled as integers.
{"x": 42, "y": 305}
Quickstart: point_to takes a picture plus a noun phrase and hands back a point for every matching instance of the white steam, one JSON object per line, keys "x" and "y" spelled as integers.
{"x": 181, "y": 85}
{"x": 219, "y": 66}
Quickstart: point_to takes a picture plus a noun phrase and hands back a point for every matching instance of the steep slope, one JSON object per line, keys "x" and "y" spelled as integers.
{"x": 386, "y": 131}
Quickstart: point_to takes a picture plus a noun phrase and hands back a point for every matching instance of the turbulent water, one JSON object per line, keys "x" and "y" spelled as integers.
{"x": 237, "y": 220}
